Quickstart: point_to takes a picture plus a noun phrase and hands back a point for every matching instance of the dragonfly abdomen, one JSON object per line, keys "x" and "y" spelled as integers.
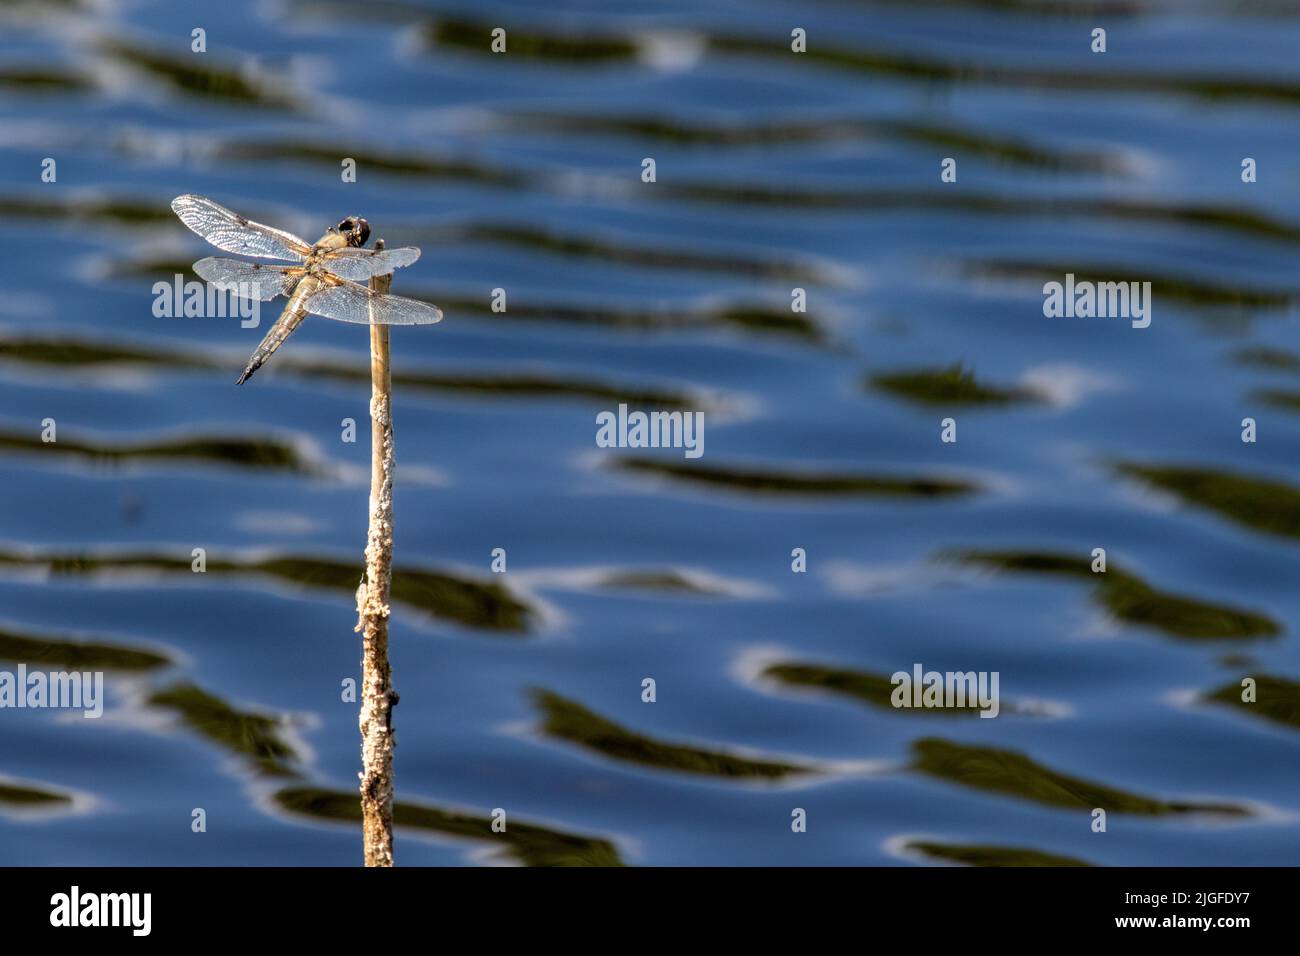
{"x": 292, "y": 316}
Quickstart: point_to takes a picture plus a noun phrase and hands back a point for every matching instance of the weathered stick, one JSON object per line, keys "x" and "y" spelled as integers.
{"x": 377, "y": 695}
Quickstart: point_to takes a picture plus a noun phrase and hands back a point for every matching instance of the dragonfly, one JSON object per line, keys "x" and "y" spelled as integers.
{"x": 325, "y": 278}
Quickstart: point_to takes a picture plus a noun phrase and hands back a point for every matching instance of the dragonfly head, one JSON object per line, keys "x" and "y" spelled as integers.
{"x": 354, "y": 229}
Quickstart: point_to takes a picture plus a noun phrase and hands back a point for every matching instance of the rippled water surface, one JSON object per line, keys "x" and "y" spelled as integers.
{"x": 775, "y": 171}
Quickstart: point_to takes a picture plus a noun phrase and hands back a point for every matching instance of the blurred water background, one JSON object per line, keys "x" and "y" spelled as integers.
{"x": 775, "y": 171}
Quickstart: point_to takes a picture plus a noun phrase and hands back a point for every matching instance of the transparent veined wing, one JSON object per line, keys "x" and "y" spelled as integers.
{"x": 360, "y": 264}
{"x": 231, "y": 232}
{"x": 249, "y": 280}
{"x": 349, "y": 302}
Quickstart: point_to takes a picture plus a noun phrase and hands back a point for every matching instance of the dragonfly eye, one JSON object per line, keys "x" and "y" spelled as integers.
{"x": 360, "y": 231}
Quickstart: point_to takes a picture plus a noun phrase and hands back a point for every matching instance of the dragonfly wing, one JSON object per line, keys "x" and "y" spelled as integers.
{"x": 349, "y": 302}
{"x": 249, "y": 280}
{"x": 231, "y": 232}
{"x": 360, "y": 264}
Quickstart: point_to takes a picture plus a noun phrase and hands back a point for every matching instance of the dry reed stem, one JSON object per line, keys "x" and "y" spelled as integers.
{"x": 377, "y": 695}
